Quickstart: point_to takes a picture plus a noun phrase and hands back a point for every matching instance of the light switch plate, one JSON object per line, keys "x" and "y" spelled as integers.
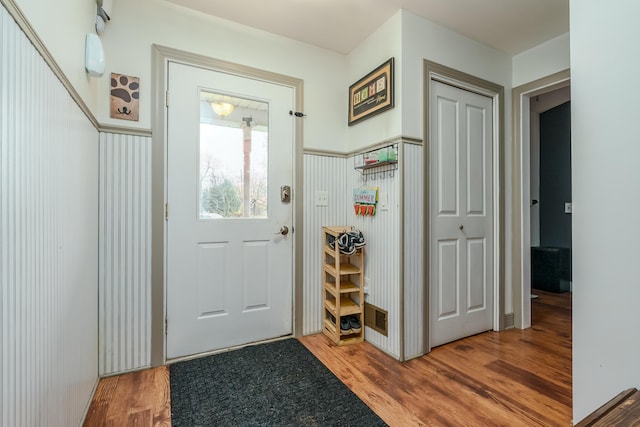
{"x": 322, "y": 198}
{"x": 384, "y": 201}
{"x": 568, "y": 208}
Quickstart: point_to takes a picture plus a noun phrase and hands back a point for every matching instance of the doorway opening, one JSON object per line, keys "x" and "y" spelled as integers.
{"x": 529, "y": 101}
{"x": 550, "y": 166}
{"x": 550, "y": 211}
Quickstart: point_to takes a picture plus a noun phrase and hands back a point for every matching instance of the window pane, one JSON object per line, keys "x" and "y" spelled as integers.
{"x": 234, "y": 148}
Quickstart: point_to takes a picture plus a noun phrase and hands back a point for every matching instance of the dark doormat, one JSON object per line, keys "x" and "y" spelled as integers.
{"x": 275, "y": 384}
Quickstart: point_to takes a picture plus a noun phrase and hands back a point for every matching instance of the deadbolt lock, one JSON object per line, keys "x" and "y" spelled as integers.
{"x": 285, "y": 194}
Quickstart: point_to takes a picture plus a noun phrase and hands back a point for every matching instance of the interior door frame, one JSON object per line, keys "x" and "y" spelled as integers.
{"x": 161, "y": 56}
{"x": 521, "y": 224}
{"x": 461, "y": 80}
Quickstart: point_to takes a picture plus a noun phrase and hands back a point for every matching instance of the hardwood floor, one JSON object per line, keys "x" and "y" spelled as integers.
{"x": 512, "y": 378}
{"x": 137, "y": 399}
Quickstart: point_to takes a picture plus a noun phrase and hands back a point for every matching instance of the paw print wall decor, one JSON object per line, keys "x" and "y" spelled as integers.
{"x": 125, "y": 94}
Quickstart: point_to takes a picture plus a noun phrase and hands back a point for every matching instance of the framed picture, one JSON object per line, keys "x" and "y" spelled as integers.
{"x": 372, "y": 94}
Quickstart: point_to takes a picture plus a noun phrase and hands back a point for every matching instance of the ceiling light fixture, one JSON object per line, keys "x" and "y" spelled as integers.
{"x": 223, "y": 109}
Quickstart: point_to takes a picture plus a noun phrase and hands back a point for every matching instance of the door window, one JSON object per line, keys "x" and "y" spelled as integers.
{"x": 233, "y": 157}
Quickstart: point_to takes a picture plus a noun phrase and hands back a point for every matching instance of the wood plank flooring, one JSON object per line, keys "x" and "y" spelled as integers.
{"x": 512, "y": 378}
{"x": 137, "y": 399}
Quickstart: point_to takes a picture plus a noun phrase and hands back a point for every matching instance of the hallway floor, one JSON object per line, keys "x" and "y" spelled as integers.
{"x": 512, "y": 378}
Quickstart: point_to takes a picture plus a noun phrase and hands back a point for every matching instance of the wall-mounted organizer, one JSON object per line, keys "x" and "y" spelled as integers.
{"x": 343, "y": 289}
{"x": 377, "y": 163}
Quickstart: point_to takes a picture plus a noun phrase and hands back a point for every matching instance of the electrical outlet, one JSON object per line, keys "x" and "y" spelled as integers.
{"x": 322, "y": 198}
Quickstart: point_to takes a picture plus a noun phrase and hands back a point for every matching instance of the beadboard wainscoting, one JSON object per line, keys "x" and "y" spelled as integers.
{"x": 382, "y": 254}
{"x": 413, "y": 251}
{"x": 321, "y": 173}
{"x": 48, "y": 242}
{"x": 125, "y": 328}
{"x": 388, "y": 257}
{"x": 125, "y": 253}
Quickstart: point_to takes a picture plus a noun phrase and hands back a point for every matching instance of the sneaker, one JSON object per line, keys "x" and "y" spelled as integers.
{"x": 331, "y": 241}
{"x": 354, "y": 324}
{"x": 357, "y": 238}
{"x": 345, "y": 326}
{"x": 346, "y": 245}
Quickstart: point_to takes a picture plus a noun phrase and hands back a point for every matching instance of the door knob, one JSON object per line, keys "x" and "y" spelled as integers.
{"x": 284, "y": 230}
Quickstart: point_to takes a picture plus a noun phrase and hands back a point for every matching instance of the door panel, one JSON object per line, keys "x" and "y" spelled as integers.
{"x": 255, "y": 265}
{"x": 461, "y": 214}
{"x": 476, "y": 278}
{"x": 211, "y": 274}
{"x": 476, "y": 172}
{"x": 447, "y": 157}
{"x": 448, "y": 283}
{"x": 229, "y": 270}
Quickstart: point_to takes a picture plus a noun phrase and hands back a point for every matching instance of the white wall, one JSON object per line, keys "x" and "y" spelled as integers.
{"x": 423, "y": 39}
{"x": 136, "y": 25}
{"x": 384, "y": 43}
{"x": 62, "y": 26}
{"x": 605, "y": 153}
{"x": 541, "y": 61}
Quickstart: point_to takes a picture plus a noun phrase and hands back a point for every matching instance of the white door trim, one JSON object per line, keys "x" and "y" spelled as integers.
{"x": 437, "y": 72}
{"x": 160, "y": 58}
{"x": 521, "y": 227}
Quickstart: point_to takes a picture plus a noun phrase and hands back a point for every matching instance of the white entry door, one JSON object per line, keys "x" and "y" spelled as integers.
{"x": 229, "y": 256}
{"x": 461, "y": 212}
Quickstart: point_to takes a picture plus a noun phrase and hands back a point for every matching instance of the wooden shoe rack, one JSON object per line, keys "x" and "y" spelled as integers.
{"x": 343, "y": 287}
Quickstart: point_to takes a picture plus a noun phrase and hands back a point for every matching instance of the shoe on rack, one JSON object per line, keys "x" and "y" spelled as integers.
{"x": 331, "y": 241}
{"x": 355, "y": 324}
{"x": 346, "y": 244}
{"x": 357, "y": 238}
{"x": 345, "y": 326}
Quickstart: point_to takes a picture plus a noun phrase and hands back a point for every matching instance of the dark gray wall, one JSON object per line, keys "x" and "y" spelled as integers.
{"x": 555, "y": 176}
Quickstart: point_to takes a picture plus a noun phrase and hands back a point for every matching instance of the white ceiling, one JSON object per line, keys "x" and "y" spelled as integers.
{"x": 512, "y": 26}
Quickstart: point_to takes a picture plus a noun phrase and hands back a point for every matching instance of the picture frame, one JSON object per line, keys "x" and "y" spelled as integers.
{"x": 372, "y": 94}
